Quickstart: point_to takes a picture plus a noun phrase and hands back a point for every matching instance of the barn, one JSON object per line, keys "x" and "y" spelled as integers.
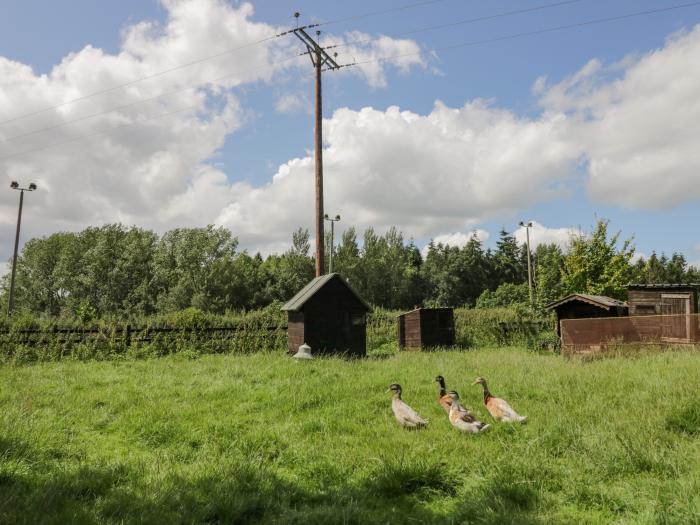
{"x": 586, "y": 306}
{"x": 329, "y": 316}
{"x": 426, "y": 327}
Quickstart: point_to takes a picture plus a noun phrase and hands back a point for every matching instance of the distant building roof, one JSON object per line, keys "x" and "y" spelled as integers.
{"x": 664, "y": 285}
{"x": 432, "y": 309}
{"x": 297, "y": 302}
{"x": 601, "y": 301}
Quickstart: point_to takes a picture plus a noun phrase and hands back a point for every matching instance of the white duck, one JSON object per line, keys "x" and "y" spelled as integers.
{"x": 405, "y": 415}
{"x": 499, "y": 408}
{"x": 461, "y": 418}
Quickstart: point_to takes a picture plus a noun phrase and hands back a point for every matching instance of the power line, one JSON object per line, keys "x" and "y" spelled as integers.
{"x": 131, "y": 104}
{"x": 101, "y": 132}
{"x": 204, "y": 59}
{"x": 141, "y": 101}
{"x": 378, "y": 13}
{"x": 532, "y": 33}
{"x": 459, "y": 22}
{"x": 389, "y": 58}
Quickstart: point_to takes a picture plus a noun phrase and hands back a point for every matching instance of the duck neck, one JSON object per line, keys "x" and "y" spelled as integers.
{"x": 397, "y": 395}
{"x": 443, "y": 390}
{"x": 487, "y": 394}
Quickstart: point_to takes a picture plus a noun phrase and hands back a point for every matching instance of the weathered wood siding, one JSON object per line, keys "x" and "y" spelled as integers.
{"x": 427, "y": 327}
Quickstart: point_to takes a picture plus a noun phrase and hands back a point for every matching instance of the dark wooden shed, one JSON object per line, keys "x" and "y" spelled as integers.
{"x": 329, "y": 316}
{"x": 585, "y": 306}
{"x": 427, "y": 327}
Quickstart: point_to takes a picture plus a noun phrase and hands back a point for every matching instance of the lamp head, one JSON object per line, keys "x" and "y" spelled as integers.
{"x": 14, "y": 185}
{"x": 32, "y": 186}
{"x": 325, "y": 216}
{"x": 337, "y": 217}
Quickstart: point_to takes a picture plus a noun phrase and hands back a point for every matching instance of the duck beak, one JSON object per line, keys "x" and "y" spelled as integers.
{"x": 475, "y": 382}
{"x": 387, "y": 390}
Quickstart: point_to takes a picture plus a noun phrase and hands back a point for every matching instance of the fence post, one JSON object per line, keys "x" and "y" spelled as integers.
{"x": 127, "y": 335}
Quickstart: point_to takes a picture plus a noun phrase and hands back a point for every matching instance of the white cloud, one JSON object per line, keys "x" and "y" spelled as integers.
{"x": 427, "y": 174}
{"x": 372, "y": 54}
{"x": 639, "y": 123}
{"x": 292, "y": 103}
{"x": 540, "y": 234}
{"x": 159, "y": 172}
{"x": 458, "y": 239}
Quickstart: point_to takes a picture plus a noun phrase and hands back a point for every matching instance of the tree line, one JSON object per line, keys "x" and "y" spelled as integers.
{"x": 122, "y": 272}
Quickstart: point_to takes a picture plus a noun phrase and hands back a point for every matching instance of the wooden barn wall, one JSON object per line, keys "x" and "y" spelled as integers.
{"x": 295, "y": 331}
{"x": 335, "y": 321}
{"x": 437, "y": 327}
{"x": 411, "y": 337}
{"x": 427, "y": 328}
{"x": 641, "y": 301}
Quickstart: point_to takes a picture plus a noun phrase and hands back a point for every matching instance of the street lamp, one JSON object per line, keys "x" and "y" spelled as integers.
{"x": 527, "y": 226}
{"x": 332, "y": 221}
{"x": 15, "y": 186}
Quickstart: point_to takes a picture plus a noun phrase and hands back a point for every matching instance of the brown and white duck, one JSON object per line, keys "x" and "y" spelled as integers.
{"x": 461, "y": 418}
{"x": 499, "y": 408}
{"x": 444, "y": 400}
{"x": 405, "y": 415}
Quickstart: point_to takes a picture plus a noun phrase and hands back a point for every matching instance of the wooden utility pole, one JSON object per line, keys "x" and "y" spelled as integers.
{"x": 320, "y": 60}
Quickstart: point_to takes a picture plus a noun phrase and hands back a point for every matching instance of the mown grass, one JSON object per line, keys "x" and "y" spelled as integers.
{"x": 263, "y": 439}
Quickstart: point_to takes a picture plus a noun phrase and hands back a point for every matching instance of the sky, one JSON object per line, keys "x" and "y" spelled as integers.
{"x": 458, "y": 116}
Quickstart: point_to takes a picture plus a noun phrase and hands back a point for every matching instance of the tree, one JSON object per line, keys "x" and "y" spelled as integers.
{"x": 594, "y": 264}
{"x": 549, "y": 262}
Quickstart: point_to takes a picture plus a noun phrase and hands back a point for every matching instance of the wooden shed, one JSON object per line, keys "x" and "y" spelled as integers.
{"x": 427, "y": 327}
{"x": 329, "y": 316}
{"x": 586, "y": 306}
{"x": 675, "y": 303}
{"x": 663, "y": 299}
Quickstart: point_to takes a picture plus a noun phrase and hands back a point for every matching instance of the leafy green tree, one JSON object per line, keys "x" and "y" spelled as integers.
{"x": 595, "y": 264}
{"x": 548, "y": 263}
{"x": 506, "y": 295}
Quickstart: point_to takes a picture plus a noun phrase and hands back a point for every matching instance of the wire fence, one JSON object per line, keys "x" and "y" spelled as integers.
{"x": 605, "y": 333}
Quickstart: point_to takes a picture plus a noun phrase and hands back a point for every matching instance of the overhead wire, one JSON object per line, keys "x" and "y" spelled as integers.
{"x": 148, "y": 99}
{"x": 532, "y": 33}
{"x": 378, "y": 13}
{"x": 204, "y": 59}
{"x": 458, "y": 22}
{"x": 387, "y": 59}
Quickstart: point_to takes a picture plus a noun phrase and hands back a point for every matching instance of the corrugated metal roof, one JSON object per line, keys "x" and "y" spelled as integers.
{"x": 597, "y": 300}
{"x": 297, "y": 302}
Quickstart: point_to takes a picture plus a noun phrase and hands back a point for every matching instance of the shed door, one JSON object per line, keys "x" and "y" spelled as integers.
{"x": 675, "y": 323}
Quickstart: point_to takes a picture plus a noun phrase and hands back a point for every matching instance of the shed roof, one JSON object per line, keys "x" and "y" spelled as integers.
{"x": 657, "y": 286}
{"x": 435, "y": 309}
{"x": 601, "y": 301}
{"x": 297, "y": 302}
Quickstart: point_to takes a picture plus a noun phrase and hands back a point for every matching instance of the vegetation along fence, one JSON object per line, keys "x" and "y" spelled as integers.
{"x": 590, "y": 335}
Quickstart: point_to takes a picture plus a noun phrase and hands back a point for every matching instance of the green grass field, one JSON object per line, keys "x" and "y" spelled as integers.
{"x": 263, "y": 439}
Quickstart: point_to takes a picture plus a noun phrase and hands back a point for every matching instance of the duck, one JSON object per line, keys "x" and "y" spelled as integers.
{"x": 461, "y": 418}
{"x": 405, "y": 415}
{"x": 499, "y": 408}
{"x": 444, "y": 400}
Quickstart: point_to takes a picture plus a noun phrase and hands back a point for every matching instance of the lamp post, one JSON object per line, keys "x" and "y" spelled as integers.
{"x": 527, "y": 226}
{"x": 332, "y": 221}
{"x": 15, "y": 186}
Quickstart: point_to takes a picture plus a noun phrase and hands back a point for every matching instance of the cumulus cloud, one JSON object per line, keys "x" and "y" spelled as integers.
{"x": 639, "y": 123}
{"x": 427, "y": 174}
{"x": 540, "y": 234}
{"x": 458, "y": 239}
{"x": 156, "y": 167}
{"x": 293, "y": 103}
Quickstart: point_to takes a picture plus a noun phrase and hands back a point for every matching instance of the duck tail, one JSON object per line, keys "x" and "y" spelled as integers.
{"x": 486, "y": 426}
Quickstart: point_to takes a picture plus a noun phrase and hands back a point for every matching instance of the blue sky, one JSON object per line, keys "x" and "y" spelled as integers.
{"x": 260, "y": 138}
